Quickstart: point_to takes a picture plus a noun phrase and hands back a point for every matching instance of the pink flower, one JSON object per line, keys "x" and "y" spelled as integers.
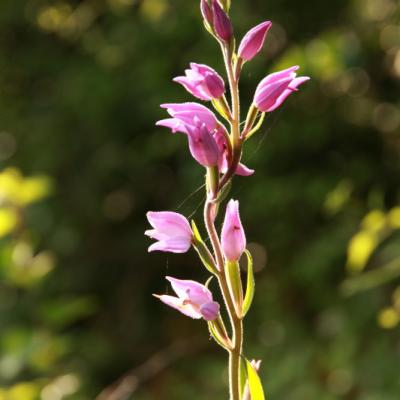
{"x": 193, "y": 299}
{"x": 185, "y": 114}
{"x": 253, "y": 40}
{"x": 233, "y": 239}
{"x": 202, "y": 145}
{"x": 171, "y": 230}
{"x": 202, "y": 82}
{"x": 222, "y": 23}
{"x": 220, "y": 138}
{"x": 273, "y": 90}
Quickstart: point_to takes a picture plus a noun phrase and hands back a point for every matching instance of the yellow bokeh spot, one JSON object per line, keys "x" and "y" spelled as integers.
{"x": 153, "y": 10}
{"x": 23, "y": 391}
{"x": 8, "y": 220}
{"x": 338, "y": 197}
{"x": 52, "y": 18}
{"x": 34, "y": 189}
{"x": 394, "y": 218}
{"x": 388, "y": 318}
{"x": 20, "y": 191}
{"x": 374, "y": 221}
{"x": 360, "y": 249}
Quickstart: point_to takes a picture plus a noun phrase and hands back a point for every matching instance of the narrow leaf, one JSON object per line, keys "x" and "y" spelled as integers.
{"x": 255, "y": 386}
{"x": 202, "y": 250}
{"x": 257, "y": 127}
{"x": 250, "y": 284}
{"x": 217, "y": 336}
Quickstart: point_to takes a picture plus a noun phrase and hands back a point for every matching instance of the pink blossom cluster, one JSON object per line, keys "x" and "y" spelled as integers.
{"x": 216, "y": 143}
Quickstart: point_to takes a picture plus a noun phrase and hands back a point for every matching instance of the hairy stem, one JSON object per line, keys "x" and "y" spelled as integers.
{"x": 236, "y": 323}
{"x": 209, "y": 217}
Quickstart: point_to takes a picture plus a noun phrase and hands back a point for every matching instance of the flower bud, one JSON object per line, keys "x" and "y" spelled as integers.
{"x": 202, "y": 82}
{"x": 193, "y": 299}
{"x": 171, "y": 230}
{"x": 273, "y": 90}
{"x": 202, "y": 145}
{"x": 206, "y": 12}
{"x": 222, "y": 23}
{"x": 233, "y": 239}
{"x": 253, "y": 41}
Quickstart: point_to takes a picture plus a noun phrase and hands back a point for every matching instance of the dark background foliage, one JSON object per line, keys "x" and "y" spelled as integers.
{"x": 80, "y": 88}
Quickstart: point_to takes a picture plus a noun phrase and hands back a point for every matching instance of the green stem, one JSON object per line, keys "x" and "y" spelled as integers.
{"x": 209, "y": 216}
{"x": 236, "y": 322}
{"x": 236, "y": 141}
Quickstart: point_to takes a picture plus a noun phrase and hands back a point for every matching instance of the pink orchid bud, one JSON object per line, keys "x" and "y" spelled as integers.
{"x": 202, "y": 145}
{"x": 193, "y": 299}
{"x": 206, "y": 12}
{"x": 171, "y": 230}
{"x": 233, "y": 239}
{"x": 202, "y": 82}
{"x": 253, "y": 41}
{"x": 184, "y": 115}
{"x": 273, "y": 90}
{"x": 222, "y": 23}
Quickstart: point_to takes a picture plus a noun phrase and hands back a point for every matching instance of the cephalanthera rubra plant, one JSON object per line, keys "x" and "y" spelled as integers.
{"x": 218, "y": 147}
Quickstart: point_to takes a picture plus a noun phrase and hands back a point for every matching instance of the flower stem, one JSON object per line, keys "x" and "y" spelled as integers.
{"x": 209, "y": 217}
{"x": 236, "y": 322}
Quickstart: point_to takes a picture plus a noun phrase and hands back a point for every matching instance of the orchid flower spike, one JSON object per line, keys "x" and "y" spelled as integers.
{"x": 233, "y": 238}
{"x": 193, "y": 299}
{"x": 202, "y": 82}
{"x": 253, "y": 41}
{"x": 171, "y": 230}
{"x": 273, "y": 90}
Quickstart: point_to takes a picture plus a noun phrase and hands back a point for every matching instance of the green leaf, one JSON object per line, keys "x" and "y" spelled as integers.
{"x": 257, "y": 127}
{"x": 202, "y": 250}
{"x": 255, "y": 386}
{"x": 233, "y": 279}
{"x": 250, "y": 284}
{"x": 218, "y": 332}
{"x": 196, "y": 232}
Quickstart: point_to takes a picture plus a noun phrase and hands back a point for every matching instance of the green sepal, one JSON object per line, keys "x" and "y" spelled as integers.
{"x": 202, "y": 250}
{"x": 219, "y": 334}
{"x": 254, "y": 382}
{"x": 221, "y": 105}
{"x": 250, "y": 284}
{"x": 232, "y": 273}
{"x": 208, "y": 281}
{"x": 226, "y": 5}
{"x": 257, "y": 127}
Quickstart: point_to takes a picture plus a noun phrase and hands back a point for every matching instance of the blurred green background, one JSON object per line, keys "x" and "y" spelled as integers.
{"x": 81, "y": 163}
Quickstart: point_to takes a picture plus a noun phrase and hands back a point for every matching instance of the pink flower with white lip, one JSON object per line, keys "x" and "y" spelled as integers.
{"x": 202, "y": 82}
{"x": 273, "y": 90}
{"x": 233, "y": 238}
{"x": 184, "y": 114}
{"x": 202, "y": 145}
{"x": 193, "y": 299}
{"x": 253, "y": 41}
{"x": 220, "y": 139}
{"x": 171, "y": 230}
